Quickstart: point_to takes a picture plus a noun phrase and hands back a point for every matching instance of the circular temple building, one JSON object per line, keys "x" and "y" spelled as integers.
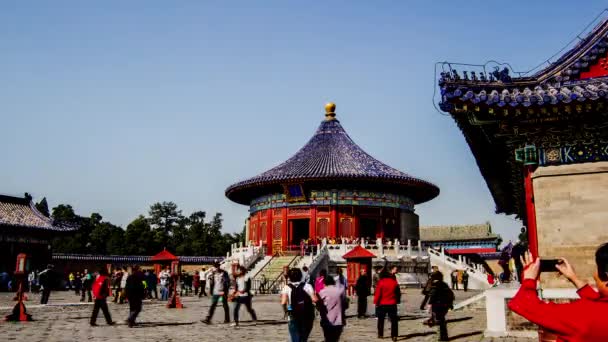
{"x": 331, "y": 188}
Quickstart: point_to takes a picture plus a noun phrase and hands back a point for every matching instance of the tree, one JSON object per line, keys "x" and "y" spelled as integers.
{"x": 139, "y": 238}
{"x": 43, "y": 207}
{"x": 167, "y": 221}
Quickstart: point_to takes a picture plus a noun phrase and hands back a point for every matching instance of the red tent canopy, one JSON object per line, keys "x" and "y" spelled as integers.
{"x": 164, "y": 256}
{"x": 359, "y": 252}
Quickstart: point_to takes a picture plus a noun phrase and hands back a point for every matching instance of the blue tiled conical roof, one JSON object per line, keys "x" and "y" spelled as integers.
{"x": 333, "y": 159}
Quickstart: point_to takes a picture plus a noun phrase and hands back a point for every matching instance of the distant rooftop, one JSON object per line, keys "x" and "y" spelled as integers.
{"x": 20, "y": 212}
{"x": 457, "y": 232}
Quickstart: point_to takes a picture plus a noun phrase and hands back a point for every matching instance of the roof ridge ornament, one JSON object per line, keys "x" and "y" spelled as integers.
{"x": 330, "y": 111}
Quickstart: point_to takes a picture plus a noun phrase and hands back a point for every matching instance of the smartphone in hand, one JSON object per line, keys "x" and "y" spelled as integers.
{"x": 548, "y": 265}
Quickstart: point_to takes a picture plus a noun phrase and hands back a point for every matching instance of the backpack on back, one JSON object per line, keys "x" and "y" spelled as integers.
{"x": 301, "y": 303}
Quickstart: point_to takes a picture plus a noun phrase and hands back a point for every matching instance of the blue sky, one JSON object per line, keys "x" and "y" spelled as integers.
{"x": 111, "y": 106}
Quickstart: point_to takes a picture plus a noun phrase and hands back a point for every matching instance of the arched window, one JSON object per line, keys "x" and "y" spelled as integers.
{"x": 323, "y": 227}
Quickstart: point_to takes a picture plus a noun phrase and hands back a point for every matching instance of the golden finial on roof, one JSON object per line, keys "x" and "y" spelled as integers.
{"x": 330, "y": 111}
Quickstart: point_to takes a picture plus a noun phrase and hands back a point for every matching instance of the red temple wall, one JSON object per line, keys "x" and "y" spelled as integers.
{"x": 274, "y": 226}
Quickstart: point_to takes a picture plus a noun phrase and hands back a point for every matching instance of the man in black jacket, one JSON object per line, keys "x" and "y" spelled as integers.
{"x": 362, "y": 287}
{"x": 426, "y": 291}
{"x": 135, "y": 294}
{"x": 47, "y": 280}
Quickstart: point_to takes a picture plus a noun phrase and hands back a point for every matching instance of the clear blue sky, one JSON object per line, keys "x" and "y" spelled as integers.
{"x": 111, "y": 106}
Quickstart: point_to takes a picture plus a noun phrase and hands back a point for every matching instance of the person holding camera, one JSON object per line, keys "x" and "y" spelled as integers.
{"x": 580, "y": 320}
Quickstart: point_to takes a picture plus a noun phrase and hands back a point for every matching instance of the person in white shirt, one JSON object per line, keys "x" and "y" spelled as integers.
{"x": 203, "y": 282}
{"x": 242, "y": 294}
{"x": 305, "y": 275}
{"x": 164, "y": 277}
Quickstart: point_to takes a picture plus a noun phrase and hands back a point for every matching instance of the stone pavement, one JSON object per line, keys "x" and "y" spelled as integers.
{"x": 61, "y": 321}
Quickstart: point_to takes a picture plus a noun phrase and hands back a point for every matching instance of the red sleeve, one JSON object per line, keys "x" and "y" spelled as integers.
{"x": 588, "y": 292}
{"x": 377, "y": 293}
{"x": 559, "y": 318}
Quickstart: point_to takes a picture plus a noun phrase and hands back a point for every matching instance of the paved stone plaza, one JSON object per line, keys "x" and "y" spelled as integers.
{"x": 62, "y": 322}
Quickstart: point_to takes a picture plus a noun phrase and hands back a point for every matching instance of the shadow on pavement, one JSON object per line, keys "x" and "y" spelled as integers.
{"x": 161, "y": 324}
{"x": 456, "y": 337}
{"x": 454, "y": 320}
{"x": 414, "y": 335}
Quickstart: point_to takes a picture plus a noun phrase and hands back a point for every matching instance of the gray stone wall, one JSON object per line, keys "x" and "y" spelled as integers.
{"x": 571, "y": 215}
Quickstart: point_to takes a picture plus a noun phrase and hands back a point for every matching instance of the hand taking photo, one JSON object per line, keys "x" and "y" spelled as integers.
{"x": 531, "y": 266}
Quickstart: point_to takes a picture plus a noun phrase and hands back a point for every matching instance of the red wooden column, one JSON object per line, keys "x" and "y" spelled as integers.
{"x": 333, "y": 222}
{"x": 284, "y": 228}
{"x": 289, "y": 233}
{"x": 269, "y": 231}
{"x": 312, "y": 225}
{"x": 356, "y": 230}
{"x": 530, "y": 210}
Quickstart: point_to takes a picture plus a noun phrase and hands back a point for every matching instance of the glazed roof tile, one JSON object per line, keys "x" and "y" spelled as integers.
{"x": 332, "y": 155}
{"x": 17, "y": 212}
{"x": 563, "y": 81}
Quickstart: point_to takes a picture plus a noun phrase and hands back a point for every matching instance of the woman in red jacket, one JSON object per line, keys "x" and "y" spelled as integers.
{"x": 386, "y": 298}
{"x": 582, "y": 320}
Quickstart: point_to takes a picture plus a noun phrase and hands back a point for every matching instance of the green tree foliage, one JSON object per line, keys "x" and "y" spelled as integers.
{"x": 164, "y": 227}
{"x": 43, "y": 207}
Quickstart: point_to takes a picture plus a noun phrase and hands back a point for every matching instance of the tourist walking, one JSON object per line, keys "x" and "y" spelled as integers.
{"x": 123, "y": 286}
{"x": 363, "y": 291}
{"x": 165, "y": 278}
{"x": 101, "y": 290}
{"x": 134, "y": 289}
{"x": 31, "y": 279}
{"x": 386, "y": 299}
{"x": 242, "y": 294}
{"x": 579, "y": 321}
{"x": 87, "y": 283}
{"x": 116, "y": 280}
{"x": 78, "y": 284}
{"x": 203, "y": 282}
{"x": 454, "y": 279}
{"x": 441, "y": 299}
{"x": 426, "y": 291}
{"x": 219, "y": 284}
{"x": 71, "y": 278}
{"x": 465, "y": 280}
{"x": 196, "y": 282}
{"x": 333, "y": 319}
{"x": 298, "y": 301}
{"x": 152, "y": 281}
{"x": 46, "y": 279}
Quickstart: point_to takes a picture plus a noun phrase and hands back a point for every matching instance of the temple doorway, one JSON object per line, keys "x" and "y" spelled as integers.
{"x": 298, "y": 230}
{"x": 368, "y": 228}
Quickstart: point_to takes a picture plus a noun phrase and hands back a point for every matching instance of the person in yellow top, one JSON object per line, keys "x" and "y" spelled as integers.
{"x": 71, "y": 279}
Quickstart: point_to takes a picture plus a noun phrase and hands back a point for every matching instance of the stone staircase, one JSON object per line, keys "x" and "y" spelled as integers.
{"x": 477, "y": 276}
{"x": 270, "y": 274}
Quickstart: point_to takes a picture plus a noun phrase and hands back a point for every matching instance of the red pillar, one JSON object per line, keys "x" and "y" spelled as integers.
{"x": 333, "y": 223}
{"x": 530, "y": 210}
{"x": 356, "y": 231}
{"x": 269, "y": 229}
{"x": 312, "y": 226}
{"x": 284, "y": 228}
